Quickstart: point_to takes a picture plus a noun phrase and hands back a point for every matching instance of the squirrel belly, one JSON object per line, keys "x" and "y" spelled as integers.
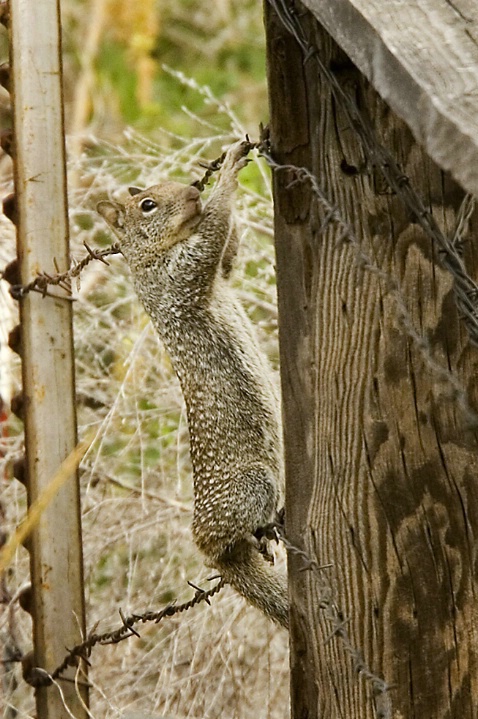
{"x": 180, "y": 255}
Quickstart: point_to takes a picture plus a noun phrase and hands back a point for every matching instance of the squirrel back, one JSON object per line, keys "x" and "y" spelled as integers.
{"x": 180, "y": 255}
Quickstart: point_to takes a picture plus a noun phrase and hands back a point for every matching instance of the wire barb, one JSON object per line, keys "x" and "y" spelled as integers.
{"x": 39, "y": 677}
{"x": 338, "y": 624}
{"x": 380, "y": 157}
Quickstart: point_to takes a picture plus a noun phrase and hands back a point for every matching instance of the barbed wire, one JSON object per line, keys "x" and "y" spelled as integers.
{"x": 36, "y": 676}
{"x": 391, "y": 286}
{"x": 465, "y": 288}
{"x": 338, "y": 623}
{"x": 466, "y": 294}
{"x": 463, "y": 284}
{"x": 211, "y": 168}
{"x": 62, "y": 279}
{"x": 44, "y": 280}
{"x": 450, "y": 248}
{"x": 333, "y": 214}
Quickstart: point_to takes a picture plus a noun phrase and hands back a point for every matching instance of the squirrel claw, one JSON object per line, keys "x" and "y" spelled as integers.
{"x": 263, "y": 547}
{"x": 269, "y": 532}
{"x": 236, "y": 156}
{"x": 261, "y": 543}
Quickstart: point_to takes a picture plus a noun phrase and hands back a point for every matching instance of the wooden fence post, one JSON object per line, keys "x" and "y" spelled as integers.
{"x": 47, "y": 343}
{"x": 378, "y": 376}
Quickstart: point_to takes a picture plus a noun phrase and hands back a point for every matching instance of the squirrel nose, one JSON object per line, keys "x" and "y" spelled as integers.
{"x": 192, "y": 193}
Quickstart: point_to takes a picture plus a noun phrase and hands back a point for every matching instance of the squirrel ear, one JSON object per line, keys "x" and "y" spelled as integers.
{"x": 113, "y": 213}
{"x": 134, "y": 191}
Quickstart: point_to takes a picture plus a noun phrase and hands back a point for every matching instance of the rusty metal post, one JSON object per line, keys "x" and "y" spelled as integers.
{"x": 47, "y": 347}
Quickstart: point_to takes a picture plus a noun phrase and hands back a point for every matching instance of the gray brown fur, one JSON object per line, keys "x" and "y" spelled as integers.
{"x": 180, "y": 256}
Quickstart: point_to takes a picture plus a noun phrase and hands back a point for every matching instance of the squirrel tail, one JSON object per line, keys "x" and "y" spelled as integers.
{"x": 248, "y": 572}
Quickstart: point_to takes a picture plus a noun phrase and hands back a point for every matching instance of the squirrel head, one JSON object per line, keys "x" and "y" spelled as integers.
{"x": 153, "y": 220}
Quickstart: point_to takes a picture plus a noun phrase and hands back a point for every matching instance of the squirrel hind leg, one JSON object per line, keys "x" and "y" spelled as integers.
{"x": 263, "y": 586}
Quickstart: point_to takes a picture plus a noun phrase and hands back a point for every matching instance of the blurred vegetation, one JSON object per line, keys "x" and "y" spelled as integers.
{"x": 118, "y": 52}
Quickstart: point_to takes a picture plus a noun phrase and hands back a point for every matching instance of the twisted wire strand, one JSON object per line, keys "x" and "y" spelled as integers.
{"x": 338, "y": 626}
{"x": 39, "y": 677}
{"x": 465, "y": 288}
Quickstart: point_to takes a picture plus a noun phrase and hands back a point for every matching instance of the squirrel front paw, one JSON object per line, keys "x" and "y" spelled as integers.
{"x": 236, "y": 157}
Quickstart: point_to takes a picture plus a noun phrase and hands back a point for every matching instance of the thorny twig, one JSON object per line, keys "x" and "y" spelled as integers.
{"x": 125, "y": 631}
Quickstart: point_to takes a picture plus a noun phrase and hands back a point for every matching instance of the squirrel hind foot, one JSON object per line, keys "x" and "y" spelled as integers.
{"x": 263, "y": 548}
{"x": 268, "y": 532}
{"x": 261, "y": 543}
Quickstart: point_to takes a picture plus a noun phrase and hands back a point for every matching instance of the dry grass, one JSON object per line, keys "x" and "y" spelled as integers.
{"x": 220, "y": 661}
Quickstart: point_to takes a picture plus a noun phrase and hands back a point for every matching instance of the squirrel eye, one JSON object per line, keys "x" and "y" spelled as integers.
{"x": 148, "y": 205}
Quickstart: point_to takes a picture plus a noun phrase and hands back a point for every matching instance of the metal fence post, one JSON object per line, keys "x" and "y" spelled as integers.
{"x": 47, "y": 346}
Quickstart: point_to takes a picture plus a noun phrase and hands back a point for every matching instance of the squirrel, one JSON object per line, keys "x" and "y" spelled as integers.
{"x": 181, "y": 254}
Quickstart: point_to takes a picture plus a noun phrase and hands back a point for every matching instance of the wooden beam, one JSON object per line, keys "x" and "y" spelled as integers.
{"x": 422, "y": 58}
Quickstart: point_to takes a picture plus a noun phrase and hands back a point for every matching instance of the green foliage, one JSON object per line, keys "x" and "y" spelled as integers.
{"x": 220, "y": 46}
{"x": 116, "y": 75}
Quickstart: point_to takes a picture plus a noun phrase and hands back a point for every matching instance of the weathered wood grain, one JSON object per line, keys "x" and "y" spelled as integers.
{"x": 381, "y": 464}
{"x": 422, "y": 58}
